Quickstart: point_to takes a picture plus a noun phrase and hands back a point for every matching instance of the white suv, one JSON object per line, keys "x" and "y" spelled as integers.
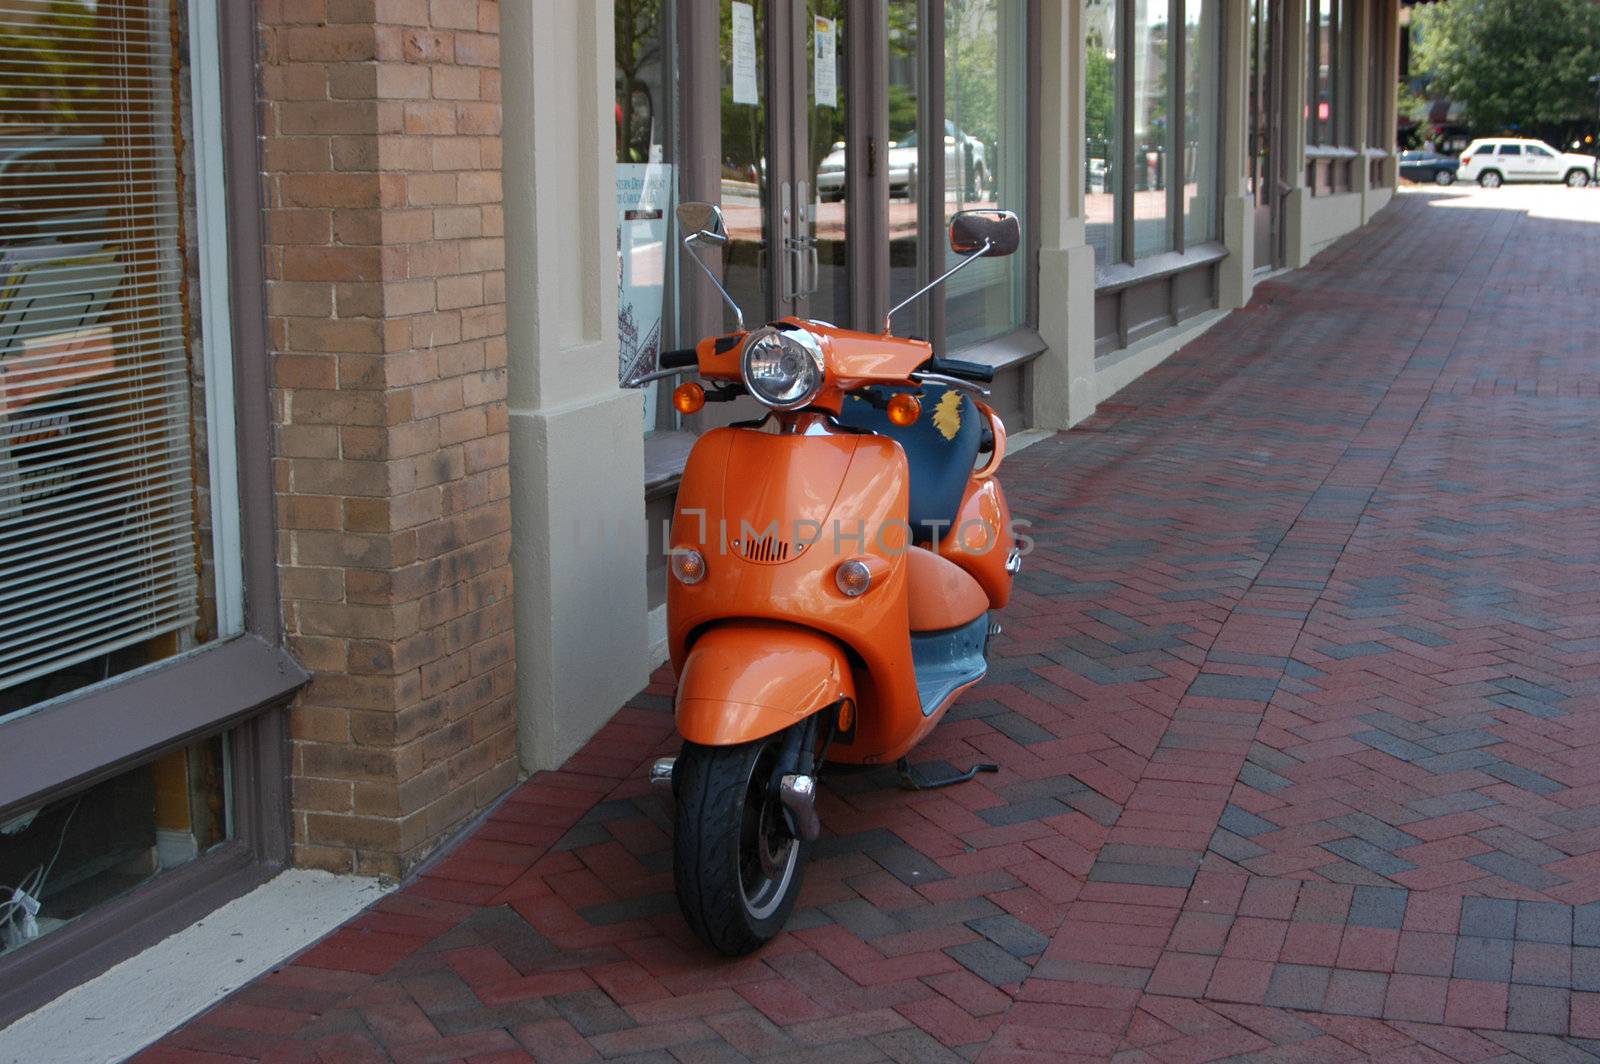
{"x": 1494, "y": 161}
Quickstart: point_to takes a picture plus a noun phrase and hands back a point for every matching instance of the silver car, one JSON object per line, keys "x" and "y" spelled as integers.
{"x": 966, "y": 166}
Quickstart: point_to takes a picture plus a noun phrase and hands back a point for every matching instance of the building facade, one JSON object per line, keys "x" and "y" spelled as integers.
{"x": 324, "y": 514}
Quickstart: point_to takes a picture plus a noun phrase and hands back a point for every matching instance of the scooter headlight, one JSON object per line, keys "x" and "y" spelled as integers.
{"x": 783, "y": 368}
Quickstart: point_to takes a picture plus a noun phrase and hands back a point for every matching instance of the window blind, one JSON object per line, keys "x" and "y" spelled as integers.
{"x": 97, "y": 503}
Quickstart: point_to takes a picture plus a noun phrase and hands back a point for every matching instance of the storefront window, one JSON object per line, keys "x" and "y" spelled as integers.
{"x": 1330, "y": 107}
{"x": 63, "y": 858}
{"x": 1380, "y": 75}
{"x": 1345, "y": 127}
{"x": 1102, "y": 125}
{"x": 985, "y": 153}
{"x": 1156, "y": 193}
{"x": 1322, "y": 49}
{"x": 744, "y": 153}
{"x": 905, "y": 99}
{"x": 645, "y": 193}
{"x": 1151, "y": 127}
{"x": 837, "y": 193}
{"x": 1201, "y": 136}
{"x": 827, "y": 101}
{"x": 116, "y": 444}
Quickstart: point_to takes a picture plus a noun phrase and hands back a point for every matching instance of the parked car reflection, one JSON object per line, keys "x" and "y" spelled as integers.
{"x": 966, "y": 167}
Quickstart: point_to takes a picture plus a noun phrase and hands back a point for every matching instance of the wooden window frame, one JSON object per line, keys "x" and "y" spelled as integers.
{"x": 240, "y": 684}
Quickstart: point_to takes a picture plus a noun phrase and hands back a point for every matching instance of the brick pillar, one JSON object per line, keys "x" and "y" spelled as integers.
{"x": 385, "y": 259}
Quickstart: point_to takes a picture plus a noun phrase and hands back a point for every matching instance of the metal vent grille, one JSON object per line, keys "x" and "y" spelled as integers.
{"x": 767, "y": 549}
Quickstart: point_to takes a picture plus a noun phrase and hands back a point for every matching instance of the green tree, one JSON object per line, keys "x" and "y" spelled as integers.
{"x": 1100, "y": 98}
{"x": 638, "y": 43}
{"x": 1521, "y": 63}
{"x": 971, "y": 93}
{"x": 42, "y": 56}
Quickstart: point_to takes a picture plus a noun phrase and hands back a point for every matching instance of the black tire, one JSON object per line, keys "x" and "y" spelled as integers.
{"x": 1577, "y": 178}
{"x": 1444, "y": 177}
{"x": 1490, "y": 179}
{"x": 736, "y": 868}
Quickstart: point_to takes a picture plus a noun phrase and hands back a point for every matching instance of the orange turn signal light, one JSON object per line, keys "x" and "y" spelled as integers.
{"x": 904, "y": 410}
{"x": 688, "y": 398}
{"x": 688, "y": 565}
{"x": 853, "y": 578}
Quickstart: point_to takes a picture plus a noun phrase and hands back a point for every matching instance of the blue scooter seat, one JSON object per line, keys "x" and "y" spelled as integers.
{"x": 941, "y": 448}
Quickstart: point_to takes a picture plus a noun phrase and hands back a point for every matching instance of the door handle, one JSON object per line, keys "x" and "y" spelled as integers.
{"x": 804, "y": 248}
{"x": 806, "y": 241}
{"x": 788, "y": 287}
{"x": 794, "y": 242}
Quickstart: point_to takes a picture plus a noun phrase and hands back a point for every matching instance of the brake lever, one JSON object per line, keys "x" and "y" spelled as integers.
{"x": 662, "y": 374}
{"x": 873, "y": 396}
{"x": 951, "y": 382}
{"x": 725, "y": 393}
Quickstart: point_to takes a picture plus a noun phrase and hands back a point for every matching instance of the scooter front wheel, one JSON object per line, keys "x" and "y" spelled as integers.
{"x": 736, "y": 864}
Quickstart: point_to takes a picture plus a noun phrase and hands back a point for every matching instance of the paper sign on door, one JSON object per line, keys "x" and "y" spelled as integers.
{"x": 745, "y": 90}
{"x": 827, "y": 62}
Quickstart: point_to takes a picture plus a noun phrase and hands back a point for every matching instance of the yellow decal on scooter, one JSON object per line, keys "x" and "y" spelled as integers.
{"x": 947, "y": 415}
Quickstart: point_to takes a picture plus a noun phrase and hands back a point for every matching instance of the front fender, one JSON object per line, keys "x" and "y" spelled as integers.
{"x": 745, "y": 680}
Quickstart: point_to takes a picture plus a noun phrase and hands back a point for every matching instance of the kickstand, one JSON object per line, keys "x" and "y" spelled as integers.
{"x": 910, "y": 782}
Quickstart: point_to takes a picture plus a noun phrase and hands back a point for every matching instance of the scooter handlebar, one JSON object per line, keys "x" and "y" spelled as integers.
{"x": 954, "y": 367}
{"x": 960, "y": 384}
{"x": 681, "y": 359}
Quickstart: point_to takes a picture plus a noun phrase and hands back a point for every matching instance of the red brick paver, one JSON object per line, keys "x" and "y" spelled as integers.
{"x": 1296, "y": 714}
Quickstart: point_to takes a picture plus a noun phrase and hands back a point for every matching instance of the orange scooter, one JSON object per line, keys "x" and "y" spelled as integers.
{"x": 833, "y": 570}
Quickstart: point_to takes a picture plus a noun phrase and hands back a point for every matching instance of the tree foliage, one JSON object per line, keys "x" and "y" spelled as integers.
{"x": 1511, "y": 63}
{"x": 42, "y": 58}
{"x": 971, "y": 72}
{"x": 1100, "y": 99}
{"x": 638, "y": 46}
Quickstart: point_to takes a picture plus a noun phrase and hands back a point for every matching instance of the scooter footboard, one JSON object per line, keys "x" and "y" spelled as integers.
{"x": 744, "y": 680}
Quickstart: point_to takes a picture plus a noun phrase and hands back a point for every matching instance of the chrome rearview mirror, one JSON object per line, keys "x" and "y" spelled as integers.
{"x": 975, "y": 234}
{"x": 701, "y": 223}
{"x": 991, "y": 233}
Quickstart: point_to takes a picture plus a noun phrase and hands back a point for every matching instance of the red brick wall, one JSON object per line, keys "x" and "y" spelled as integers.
{"x": 385, "y": 259}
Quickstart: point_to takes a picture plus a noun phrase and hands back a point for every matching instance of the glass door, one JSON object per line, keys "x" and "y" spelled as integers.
{"x": 746, "y": 154}
{"x": 1266, "y": 124}
{"x": 784, "y": 176}
{"x": 821, "y": 193}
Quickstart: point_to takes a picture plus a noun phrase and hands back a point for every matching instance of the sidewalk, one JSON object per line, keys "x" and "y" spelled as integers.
{"x": 1297, "y": 713}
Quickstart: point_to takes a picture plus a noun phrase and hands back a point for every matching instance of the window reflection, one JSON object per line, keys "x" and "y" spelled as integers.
{"x": 1102, "y": 124}
{"x": 1151, "y": 127}
{"x": 985, "y": 156}
{"x": 744, "y": 136}
{"x": 1200, "y": 133}
{"x": 1322, "y": 51}
{"x": 826, "y": 43}
{"x": 645, "y": 186}
{"x": 905, "y": 64}
{"x": 1155, "y": 191}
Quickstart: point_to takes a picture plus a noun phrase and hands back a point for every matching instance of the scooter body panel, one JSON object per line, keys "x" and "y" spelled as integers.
{"x": 833, "y": 496}
{"x": 871, "y": 359}
{"x": 942, "y": 595}
{"x": 744, "y": 680}
{"x": 976, "y": 540}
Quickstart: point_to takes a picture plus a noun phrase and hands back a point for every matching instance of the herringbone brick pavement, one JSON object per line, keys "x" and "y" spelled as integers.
{"x": 1297, "y": 718}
